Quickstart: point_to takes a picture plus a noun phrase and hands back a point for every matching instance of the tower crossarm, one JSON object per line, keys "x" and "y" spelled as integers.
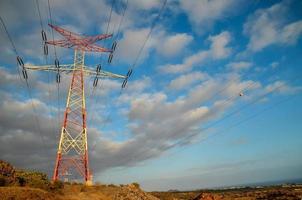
{"x": 102, "y": 74}
{"x": 50, "y": 68}
{"x": 69, "y": 68}
{"x": 79, "y": 42}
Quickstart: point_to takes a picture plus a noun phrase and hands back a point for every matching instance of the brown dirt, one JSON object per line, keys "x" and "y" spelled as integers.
{"x": 133, "y": 192}
{"x": 25, "y": 193}
{"x": 77, "y": 192}
{"x": 267, "y": 193}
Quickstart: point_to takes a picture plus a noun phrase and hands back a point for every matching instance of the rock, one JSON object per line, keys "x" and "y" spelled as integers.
{"x": 208, "y": 196}
{"x": 132, "y": 192}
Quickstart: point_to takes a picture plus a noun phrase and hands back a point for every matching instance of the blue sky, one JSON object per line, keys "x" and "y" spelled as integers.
{"x": 180, "y": 123}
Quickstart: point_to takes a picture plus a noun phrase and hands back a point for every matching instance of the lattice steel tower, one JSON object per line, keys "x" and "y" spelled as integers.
{"x": 72, "y": 154}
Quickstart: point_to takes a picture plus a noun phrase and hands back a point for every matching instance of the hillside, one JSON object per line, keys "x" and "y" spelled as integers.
{"x": 23, "y": 185}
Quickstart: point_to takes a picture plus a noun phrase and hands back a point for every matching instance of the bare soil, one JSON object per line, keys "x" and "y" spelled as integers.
{"x": 287, "y": 192}
{"x": 133, "y": 192}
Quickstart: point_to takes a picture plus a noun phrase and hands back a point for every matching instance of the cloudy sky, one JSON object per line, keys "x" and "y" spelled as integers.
{"x": 180, "y": 123}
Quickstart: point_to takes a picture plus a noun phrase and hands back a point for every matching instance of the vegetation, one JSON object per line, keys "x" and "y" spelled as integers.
{"x": 136, "y": 185}
{"x": 7, "y": 174}
{"x": 21, "y": 184}
{"x": 32, "y": 179}
{"x": 56, "y": 186}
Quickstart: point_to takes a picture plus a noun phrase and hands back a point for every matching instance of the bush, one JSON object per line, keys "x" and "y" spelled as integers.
{"x": 83, "y": 188}
{"x": 112, "y": 185}
{"x": 136, "y": 185}
{"x": 7, "y": 173}
{"x": 33, "y": 179}
{"x": 2, "y": 181}
{"x": 57, "y": 185}
{"x": 21, "y": 181}
{"x": 6, "y": 169}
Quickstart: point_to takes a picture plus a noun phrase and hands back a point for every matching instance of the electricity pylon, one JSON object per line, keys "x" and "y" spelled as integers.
{"x": 72, "y": 154}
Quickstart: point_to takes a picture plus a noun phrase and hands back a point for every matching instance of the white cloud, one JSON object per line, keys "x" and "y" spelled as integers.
{"x": 161, "y": 41}
{"x": 204, "y": 13}
{"x": 218, "y": 50}
{"x": 156, "y": 123}
{"x": 131, "y": 43}
{"x": 7, "y": 77}
{"x": 91, "y": 16}
{"x": 269, "y": 26}
{"x": 146, "y": 4}
{"x": 186, "y": 80}
{"x": 174, "y": 44}
{"x": 282, "y": 87}
{"x": 219, "y": 45}
{"x": 237, "y": 66}
{"x": 274, "y": 65}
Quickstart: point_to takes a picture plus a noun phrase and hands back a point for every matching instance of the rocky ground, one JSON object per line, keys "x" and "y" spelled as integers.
{"x": 285, "y": 192}
{"x": 18, "y": 184}
{"x": 133, "y": 192}
{"x": 77, "y": 192}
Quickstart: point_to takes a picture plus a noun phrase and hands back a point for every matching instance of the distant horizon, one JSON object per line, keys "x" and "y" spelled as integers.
{"x": 264, "y": 184}
{"x": 227, "y": 186}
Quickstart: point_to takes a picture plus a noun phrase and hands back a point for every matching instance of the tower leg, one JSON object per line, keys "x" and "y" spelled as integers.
{"x": 55, "y": 173}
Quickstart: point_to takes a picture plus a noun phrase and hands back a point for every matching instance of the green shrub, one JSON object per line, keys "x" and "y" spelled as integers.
{"x": 6, "y": 169}
{"x": 33, "y": 179}
{"x": 57, "y": 185}
{"x": 7, "y": 173}
{"x": 136, "y": 185}
{"x": 21, "y": 181}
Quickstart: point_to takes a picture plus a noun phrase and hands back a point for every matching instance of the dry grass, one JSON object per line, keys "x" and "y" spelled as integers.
{"x": 70, "y": 192}
{"x": 130, "y": 192}
{"x": 26, "y": 193}
{"x": 80, "y": 192}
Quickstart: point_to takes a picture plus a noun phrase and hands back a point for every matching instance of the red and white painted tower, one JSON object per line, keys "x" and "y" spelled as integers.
{"x": 72, "y": 154}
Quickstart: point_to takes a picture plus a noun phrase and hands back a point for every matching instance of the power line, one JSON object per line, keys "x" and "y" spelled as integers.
{"x": 9, "y": 37}
{"x": 139, "y": 52}
{"x": 219, "y": 132}
{"x": 107, "y": 29}
{"x": 244, "y": 107}
{"x": 38, "y": 8}
{"x": 51, "y": 22}
{"x": 250, "y": 85}
{"x": 46, "y": 62}
{"x": 255, "y": 115}
{"x": 149, "y": 34}
{"x": 35, "y": 118}
{"x": 122, "y": 20}
{"x": 56, "y": 61}
{"x": 103, "y": 42}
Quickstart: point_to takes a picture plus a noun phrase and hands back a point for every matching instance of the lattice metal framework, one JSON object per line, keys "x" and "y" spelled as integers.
{"x": 72, "y": 154}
